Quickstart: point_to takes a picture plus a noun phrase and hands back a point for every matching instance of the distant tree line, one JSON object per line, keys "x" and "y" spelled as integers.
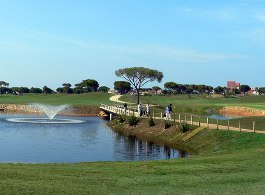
{"x": 174, "y": 88}
{"x": 123, "y": 87}
{"x": 88, "y": 85}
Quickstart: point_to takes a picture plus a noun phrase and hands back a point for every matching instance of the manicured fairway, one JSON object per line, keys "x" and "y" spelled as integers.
{"x": 199, "y": 104}
{"x": 87, "y": 99}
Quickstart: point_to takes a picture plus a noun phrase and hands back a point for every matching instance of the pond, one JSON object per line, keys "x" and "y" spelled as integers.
{"x": 89, "y": 141}
{"x": 223, "y": 116}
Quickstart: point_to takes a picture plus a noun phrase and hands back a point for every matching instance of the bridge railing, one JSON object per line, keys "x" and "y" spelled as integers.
{"x": 118, "y": 109}
{"x": 191, "y": 119}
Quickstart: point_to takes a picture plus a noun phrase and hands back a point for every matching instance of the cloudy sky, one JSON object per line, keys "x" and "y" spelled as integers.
{"x": 50, "y": 42}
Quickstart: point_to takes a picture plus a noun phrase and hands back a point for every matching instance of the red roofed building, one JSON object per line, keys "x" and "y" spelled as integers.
{"x": 232, "y": 85}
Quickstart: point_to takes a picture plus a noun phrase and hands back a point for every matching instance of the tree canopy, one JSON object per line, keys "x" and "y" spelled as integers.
{"x": 122, "y": 86}
{"x": 3, "y": 84}
{"x": 103, "y": 89}
{"x": 139, "y": 76}
{"x": 171, "y": 86}
{"x": 244, "y": 88}
{"x": 156, "y": 88}
{"x": 90, "y": 84}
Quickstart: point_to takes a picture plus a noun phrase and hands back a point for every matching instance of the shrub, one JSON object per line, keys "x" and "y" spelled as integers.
{"x": 151, "y": 122}
{"x": 147, "y": 94}
{"x": 184, "y": 127}
{"x": 167, "y": 124}
{"x": 132, "y": 120}
{"x": 121, "y": 118}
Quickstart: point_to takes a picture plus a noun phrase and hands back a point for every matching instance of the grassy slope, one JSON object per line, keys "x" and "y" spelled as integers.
{"x": 88, "y": 99}
{"x": 229, "y": 163}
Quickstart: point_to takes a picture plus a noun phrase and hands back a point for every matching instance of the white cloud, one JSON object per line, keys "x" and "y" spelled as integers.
{"x": 256, "y": 35}
{"x": 260, "y": 17}
{"x": 178, "y": 54}
{"x": 55, "y": 43}
{"x": 225, "y": 14}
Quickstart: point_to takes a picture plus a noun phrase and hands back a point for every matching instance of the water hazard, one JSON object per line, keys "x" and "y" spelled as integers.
{"x": 223, "y": 116}
{"x": 91, "y": 140}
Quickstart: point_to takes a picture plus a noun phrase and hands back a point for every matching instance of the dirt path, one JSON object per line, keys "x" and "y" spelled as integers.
{"x": 115, "y": 98}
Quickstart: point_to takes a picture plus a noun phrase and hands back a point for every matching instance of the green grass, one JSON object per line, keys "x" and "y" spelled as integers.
{"x": 228, "y": 163}
{"x": 87, "y": 99}
{"x": 199, "y": 104}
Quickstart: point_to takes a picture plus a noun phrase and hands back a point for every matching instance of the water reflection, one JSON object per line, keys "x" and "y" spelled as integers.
{"x": 138, "y": 150}
{"x": 85, "y": 142}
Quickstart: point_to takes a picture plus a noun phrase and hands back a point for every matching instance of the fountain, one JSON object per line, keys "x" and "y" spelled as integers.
{"x": 50, "y": 110}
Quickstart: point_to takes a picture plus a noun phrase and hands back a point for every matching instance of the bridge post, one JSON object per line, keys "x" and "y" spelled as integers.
{"x": 110, "y": 117}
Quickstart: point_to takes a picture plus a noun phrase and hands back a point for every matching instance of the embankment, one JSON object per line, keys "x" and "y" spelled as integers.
{"x": 73, "y": 111}
{"x": 171, "y": 136}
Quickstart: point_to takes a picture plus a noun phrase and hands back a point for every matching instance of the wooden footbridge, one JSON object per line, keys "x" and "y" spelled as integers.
{"x": 188, "y": 119}
{"x": 117, "y": 110}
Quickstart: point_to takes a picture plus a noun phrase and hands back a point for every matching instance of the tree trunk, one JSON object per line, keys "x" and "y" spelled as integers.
{"x": 138, "y": 96}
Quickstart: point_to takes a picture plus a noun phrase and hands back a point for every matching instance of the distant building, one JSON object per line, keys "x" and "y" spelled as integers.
{"x": 232, "y": 85}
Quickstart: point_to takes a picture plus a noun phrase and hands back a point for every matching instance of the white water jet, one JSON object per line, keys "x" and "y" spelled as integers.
{"x": 50, "y": 110}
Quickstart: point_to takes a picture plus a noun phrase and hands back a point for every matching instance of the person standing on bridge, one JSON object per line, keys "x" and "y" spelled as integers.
{"x": 139, "y": 109}
{"x": 170, "y": 110}
{"x": 167, "y": 112}
{"x": 125, "y": 108}
{"x": 147, "y": 110}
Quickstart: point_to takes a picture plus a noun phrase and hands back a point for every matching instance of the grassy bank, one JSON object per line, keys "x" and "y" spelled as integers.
{"x": 83, "y": 103}
{"x": 227, "y": 163}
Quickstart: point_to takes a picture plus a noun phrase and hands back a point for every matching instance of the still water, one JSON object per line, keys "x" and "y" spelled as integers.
{"x": 223, "y": 116}
{"x": 90, "y": 141}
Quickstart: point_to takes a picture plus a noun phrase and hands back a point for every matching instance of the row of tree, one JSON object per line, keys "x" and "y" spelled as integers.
{"x": 88, "y": 85}
{"x": 224, "y": 90}
{"x": 135, "y": 76}
{"x": 85, "y": 86}
{"x": 124, "y": 87}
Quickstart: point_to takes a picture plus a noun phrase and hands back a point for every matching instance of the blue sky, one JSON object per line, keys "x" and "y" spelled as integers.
{"x": 51, "y": 42}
